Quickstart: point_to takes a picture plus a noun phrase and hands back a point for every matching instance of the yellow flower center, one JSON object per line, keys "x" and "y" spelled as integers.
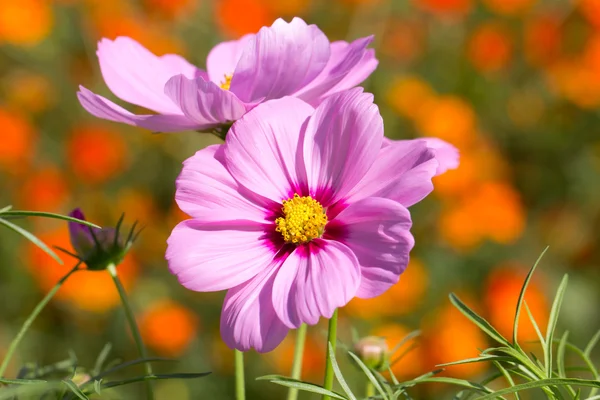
{"x": 303, "y": 220}
{"x": 226, "y": 83}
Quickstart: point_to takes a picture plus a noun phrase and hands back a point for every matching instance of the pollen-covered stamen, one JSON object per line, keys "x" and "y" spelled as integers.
{"x": 226, "y": 83}
{"x": 304, "y": 220}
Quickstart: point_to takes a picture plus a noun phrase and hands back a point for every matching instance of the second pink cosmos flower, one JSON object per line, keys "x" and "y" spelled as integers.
{"x": 298, "y": 212}
{"x": 285, "y": 59}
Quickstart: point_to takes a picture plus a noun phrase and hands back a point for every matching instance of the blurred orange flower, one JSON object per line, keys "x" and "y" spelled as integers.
{"x": 92, "y": 291}
{"x": 137, "y": 204}
{"x": 576, "y": 81}
{"x": 402, "y": 298}
{"x": 110, "y": 24}
{"x": 509, "y": 7}
{"x": 501, "y": 294}
{"x": 591, "y": 10}
{"x": 408, "y": 96}
{"x": 171, "y": 8}
{"x": 480, "y": 163}
{"x": 445, "y": 7}
{"x": 96, "y": 153}
{"x": 255, "y": 15}
{"x": 44, "y": 189}
{"x": 450, "y": 336}
{"x": 449, "y": 118}
{"x": 313, "y": 362}
{"x": 542, "y": 38}
{"x": 168, "y": 327}
{"x": 25, "y": 22}
{"x": 492, "y": 210}
{"x": 28, "y": 91}
{"x": 410, "y": 362}
{"x": 403, "y": 40}
{"x": 18, "y": 141}
{"x": 290, "y": 8}
{"x": 490, "y": 47}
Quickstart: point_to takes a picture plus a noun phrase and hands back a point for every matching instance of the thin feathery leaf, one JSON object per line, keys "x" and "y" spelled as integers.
{"x": 542, "y": 383}
{"x": 22, "y": 214}
{"x": 67, "y": 252}
{"x": 338, "y": 373}
{"x": 552, "y": 322}
{"x": 101, "y": 359}
{"x": 522, "y": 296}
{"x": 478, "y": 320}
{"x": 74, "y": 389}
{"x": 591, "y": 344}
{"x": 368, "y": 374}
{"x": 300, "y": 385}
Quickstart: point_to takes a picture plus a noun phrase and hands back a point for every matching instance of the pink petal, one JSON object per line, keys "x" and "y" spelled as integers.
{"x": 248, "y": 319}
{"x": 280, "y": 60}
{"x": 402, "y": 172}
{"x": 349, "y": 65}
{"x": 262, "y": 151}
{"x": 208, "y": 192}
{"x": 212, "y": 256}
{"x": 446, "y": 154}
{"x": 223, "y": 58}
{"x": 137, "y": 76}
{"x": 378, "y": 232}
{"x": 342, "y": 141}
{"x": 103, "y": 108}
{"x": 313, "y": 281}
{"x": 204, "y": 102}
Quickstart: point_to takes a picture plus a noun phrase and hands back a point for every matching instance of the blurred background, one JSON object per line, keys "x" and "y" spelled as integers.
{"x": 514, "y": 84}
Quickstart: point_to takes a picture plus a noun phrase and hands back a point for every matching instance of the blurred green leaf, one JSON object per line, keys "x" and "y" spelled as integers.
{"x": 74, "y": 389}
{"x": 182, "y": 375}
{"x": 591, "y": 344}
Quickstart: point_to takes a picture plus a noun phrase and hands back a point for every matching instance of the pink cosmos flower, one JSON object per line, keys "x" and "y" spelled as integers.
{"x": 285, "y": 59}
{"x": 298, "y": 212}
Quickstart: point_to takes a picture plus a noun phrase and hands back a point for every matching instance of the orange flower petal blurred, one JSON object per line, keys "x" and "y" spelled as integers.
{"x": 402, "y": 298}
{"x": 18, "y": 141}
{"x": 490, "y": 47}
{"x": 25, "y": 22}
{"x": 502, "y": 291}
{"x": 509, "y": 7}
{"x": 96, "y": 154}
{"x": 445, "y": 7}
{"x": 408, "y": 95}
{"x": 450, "y": 336}
{"x": 168, "y": 327}
{"x": 313, "y": 362}
{"x": 448, "y": 118}
{"x": 255, "y": 16}
{"x": 44, "y": 189}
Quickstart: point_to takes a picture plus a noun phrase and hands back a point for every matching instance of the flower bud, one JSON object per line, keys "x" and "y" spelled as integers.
{"x": 373, "y": 351}
{"x": 99, "y": 247}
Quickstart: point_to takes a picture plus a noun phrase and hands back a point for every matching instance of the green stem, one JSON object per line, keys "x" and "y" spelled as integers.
{"x": 240, "y": 393}
{"x": 112, "y": 270}
{"x": 34, "y": 314}
{"x": 369, "y": 390}
{"x": 331, "y": 338}
{"x": 298, "y": 356}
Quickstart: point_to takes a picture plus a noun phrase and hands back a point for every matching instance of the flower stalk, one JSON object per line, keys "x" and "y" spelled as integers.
{"x": 112, "y": 270}
{"x": 240, "y": 393}
{"x": 298, "y": 358}
{"x": 331, "y": 338}
{"x": 32, "y": 317}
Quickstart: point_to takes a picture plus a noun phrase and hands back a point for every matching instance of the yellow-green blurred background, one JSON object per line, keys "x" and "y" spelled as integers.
{"x": 514, "y": 84}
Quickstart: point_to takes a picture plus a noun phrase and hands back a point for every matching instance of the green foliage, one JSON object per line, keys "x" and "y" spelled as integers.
{"x": 520, "y": 370}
